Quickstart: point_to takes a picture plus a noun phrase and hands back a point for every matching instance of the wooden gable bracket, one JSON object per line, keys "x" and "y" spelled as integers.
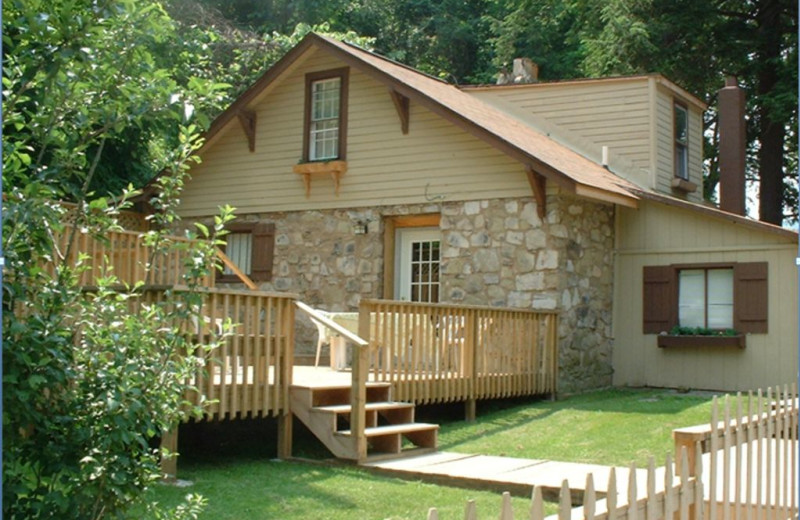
{"x": 538, "y": 185}
{"x": 247, "y": 118}
{"x": 401, "y": 104}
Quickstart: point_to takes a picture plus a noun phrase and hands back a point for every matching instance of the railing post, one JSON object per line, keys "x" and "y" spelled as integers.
{"x": 358, "y": 391}
{"x": 169, "y": 463}
{"x": 686, "y": 440}
{"x": 286, "y": 368}
{"x": 471, "y": 342}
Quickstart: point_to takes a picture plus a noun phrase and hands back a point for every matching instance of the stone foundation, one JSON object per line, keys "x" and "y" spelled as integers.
{"x": 494, "y": 252}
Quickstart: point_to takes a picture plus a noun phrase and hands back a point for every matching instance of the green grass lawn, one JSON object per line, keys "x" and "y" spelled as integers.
{"x": 611, "y": 427}
{"x": 614, "y": 427}
{"x": 261, "y": 489}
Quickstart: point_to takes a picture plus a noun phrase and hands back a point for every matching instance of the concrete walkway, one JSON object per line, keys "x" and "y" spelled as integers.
{"x": 517, "y": 476}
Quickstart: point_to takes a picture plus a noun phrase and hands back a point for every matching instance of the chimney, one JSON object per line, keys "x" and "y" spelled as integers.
{"x": 524, "y": 71}
{"x": 732, "y": 143}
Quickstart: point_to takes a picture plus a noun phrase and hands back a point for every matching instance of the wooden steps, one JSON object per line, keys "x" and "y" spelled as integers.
{"x": 325, "y": 410}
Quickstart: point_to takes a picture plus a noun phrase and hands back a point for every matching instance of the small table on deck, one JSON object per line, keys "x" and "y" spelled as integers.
{"x": 348, "y": 320}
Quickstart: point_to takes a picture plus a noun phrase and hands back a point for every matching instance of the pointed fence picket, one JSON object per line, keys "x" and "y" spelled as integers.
{"x": 674, "y": 500}
{"x": 744, "y": 467}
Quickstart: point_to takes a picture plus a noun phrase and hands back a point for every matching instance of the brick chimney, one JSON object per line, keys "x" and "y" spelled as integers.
{"x": 732, "y": 144}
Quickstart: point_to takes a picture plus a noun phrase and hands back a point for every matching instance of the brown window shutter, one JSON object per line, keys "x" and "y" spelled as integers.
{"x": 660, "y": 299}
{"x": 750, "y": 297}
{"x": 263, "y": 249}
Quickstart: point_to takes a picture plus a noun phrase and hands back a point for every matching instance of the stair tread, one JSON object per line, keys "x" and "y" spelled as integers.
{"x": 390, "y": 429}
{"x": 383, "y": 405}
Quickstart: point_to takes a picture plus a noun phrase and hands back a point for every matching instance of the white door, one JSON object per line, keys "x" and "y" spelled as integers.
{"x": 417, "y": 264}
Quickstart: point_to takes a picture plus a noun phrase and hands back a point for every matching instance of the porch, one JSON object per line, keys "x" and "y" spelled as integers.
{"x": 402, "y": 354}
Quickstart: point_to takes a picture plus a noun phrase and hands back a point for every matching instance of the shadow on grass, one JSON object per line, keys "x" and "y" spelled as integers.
{"x": 243, "y": 440}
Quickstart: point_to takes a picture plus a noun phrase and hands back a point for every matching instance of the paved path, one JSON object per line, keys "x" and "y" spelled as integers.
{"x": 517, "y": 476}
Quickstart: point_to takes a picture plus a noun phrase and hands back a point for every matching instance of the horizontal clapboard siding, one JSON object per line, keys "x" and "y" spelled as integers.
{"x": 384, "y": 166}
{"x": 665, "y": 169}
{"x": 613, "y": 114}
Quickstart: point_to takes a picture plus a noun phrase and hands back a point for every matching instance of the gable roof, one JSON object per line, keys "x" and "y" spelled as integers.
{"x": 554, "y": 161}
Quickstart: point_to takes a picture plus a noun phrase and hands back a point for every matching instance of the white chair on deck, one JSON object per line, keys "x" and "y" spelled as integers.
{"x": 322, "y": 332}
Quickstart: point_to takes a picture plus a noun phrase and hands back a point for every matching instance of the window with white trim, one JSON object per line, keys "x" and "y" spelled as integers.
{"x": 325, "y": 115}
{"x": 705, "y": 298}
{"x": 239, "y": 248}
{"x": 681, "y": 132}
{"x": 324, "y": 124}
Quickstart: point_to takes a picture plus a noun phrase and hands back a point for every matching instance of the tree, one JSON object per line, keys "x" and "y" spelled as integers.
{"x": 696, "y": 44}
{"x": 89, "y": 378}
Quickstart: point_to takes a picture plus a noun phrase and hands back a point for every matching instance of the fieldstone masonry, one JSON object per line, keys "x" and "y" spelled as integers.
{"x": 494, "y": 252}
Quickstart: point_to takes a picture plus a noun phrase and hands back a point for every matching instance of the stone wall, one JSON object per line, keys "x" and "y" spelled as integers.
{"x": 494, "y": 252}
{"x": 500, "y": 253}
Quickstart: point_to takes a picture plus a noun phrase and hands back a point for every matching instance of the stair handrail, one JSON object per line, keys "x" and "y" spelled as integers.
{"x": 316, "y": 316}
{"x": 235, "y": 270}
{"x": 358, "y": 388}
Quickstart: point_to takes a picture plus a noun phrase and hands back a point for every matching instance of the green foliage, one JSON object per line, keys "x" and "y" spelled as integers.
{"x": 90, "y": 378}
{"x": 677, "y": 330}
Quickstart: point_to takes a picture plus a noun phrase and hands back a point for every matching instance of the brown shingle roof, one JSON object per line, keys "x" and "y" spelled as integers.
{"x": 546, "y": 156}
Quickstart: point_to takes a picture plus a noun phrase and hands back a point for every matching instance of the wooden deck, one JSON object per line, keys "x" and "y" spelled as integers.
{"x": 425, "y": 353}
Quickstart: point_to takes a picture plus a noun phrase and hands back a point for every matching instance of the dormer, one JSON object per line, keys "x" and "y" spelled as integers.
{"x": 651, "y": 128}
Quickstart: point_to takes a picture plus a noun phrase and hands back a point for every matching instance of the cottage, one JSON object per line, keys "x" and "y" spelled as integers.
{"x": 357, "y": 178}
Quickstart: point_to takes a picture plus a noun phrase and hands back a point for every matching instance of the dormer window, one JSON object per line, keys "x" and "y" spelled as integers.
{"x": 681, "y": 131}
{"x": 326, "y": 115}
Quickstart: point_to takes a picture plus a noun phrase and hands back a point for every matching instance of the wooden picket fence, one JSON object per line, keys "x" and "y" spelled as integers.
{"x": 743, "y": 468}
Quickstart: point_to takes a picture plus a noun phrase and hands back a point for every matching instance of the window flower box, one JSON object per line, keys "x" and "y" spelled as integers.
{"x": 691, "y": 341}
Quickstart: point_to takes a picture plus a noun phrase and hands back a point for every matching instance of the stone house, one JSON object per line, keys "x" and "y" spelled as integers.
{"x": 354, "y": 176}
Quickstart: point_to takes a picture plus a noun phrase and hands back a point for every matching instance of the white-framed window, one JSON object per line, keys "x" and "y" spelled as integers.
{"x": 418, "y": 264}
{"x": 239, "y": 248}
{"x": 324, "y": 123}
{"x": 681, "y": 133}
{"x": 705, "y": 298}
{"x": 325, "y": 130}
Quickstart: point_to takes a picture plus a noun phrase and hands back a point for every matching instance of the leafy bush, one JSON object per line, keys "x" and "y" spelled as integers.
{"x": 90, "y": 378}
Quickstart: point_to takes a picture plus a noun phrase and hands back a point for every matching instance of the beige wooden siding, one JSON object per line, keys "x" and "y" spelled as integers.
{"x": 384, "y": 166}
{"x": 660, "y": 235}
{"x": 665, "y": 165}
{"x": 592, "y": 115}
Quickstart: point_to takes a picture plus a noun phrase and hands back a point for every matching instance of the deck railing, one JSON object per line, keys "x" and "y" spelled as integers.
{"x": 250, "y": 371}
{"x": 441, "y": 353}
{"x": 249, "y": 374}
{"x": 127, "y": 255}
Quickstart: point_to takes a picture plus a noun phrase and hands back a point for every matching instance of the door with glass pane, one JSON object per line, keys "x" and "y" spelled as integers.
{"x": 417, "y": 263}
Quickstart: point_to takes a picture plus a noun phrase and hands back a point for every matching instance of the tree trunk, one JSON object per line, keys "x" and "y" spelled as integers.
{"x": 771, "y": 130}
